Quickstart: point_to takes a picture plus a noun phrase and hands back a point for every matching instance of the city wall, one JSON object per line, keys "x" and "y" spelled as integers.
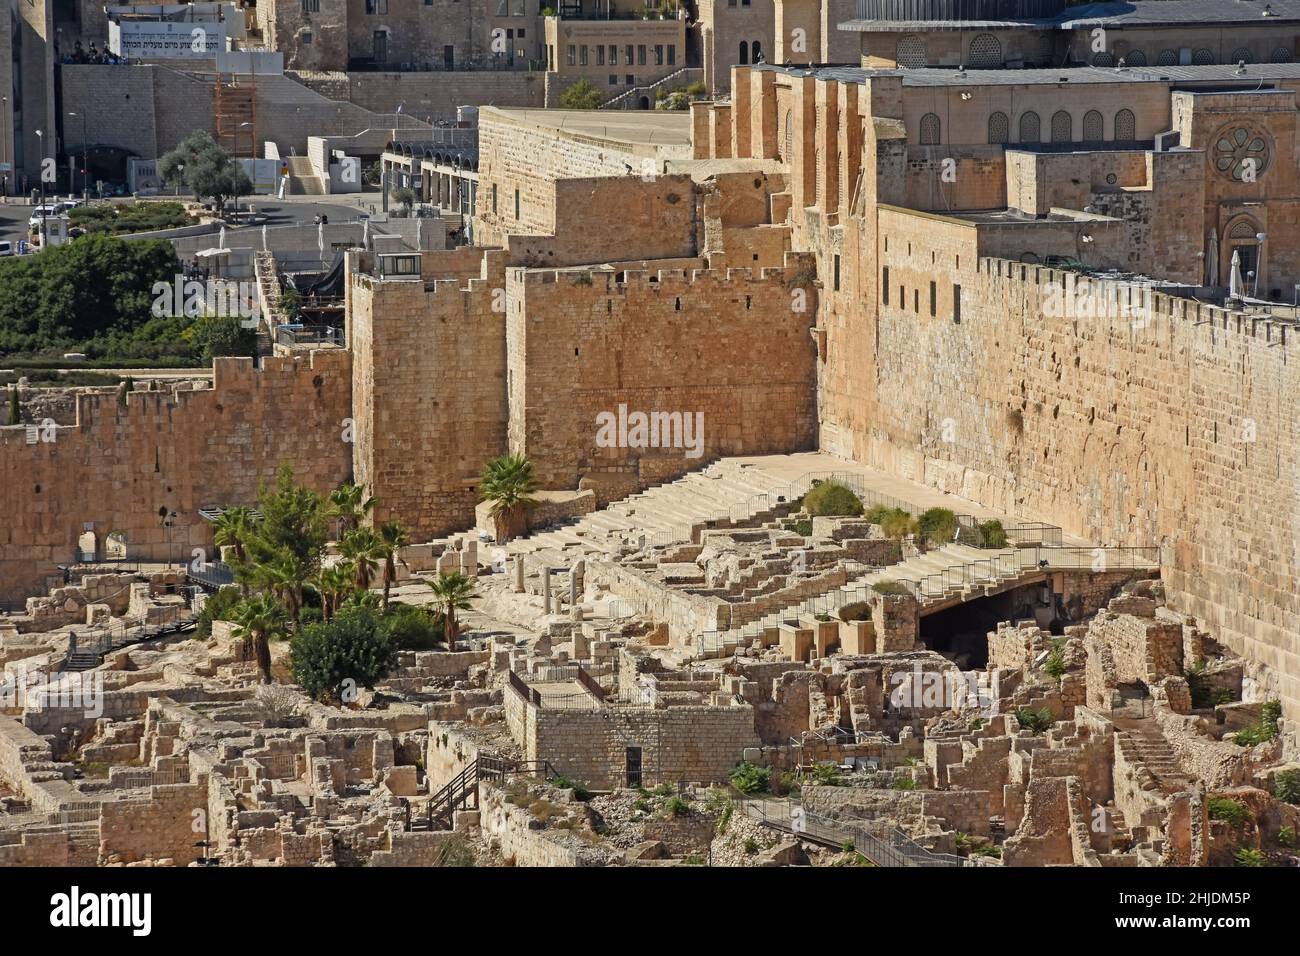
{"x": 123, "y": 468}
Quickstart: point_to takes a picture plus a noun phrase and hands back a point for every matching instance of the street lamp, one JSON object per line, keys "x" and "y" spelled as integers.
{"x": 1259, "y": 263}
{"x": 45, "y": 229}
{"x": 85, "y": 158}
{"x": 180, "y": 174}
{"x": 169, "y": 523}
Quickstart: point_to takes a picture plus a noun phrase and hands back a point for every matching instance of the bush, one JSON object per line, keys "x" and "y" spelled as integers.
{"x": 1034, "y": 721}
{"x": 215, "y": 608}
{"x": 832, "y": 499}
{"x": 1265, "y": 729}
{"x": 1287, "y": 786}
{"x": 937, "y": 525}
{"x": 350, "y": 648}
{"x": 751, "y": 778}
{"x": 1249, "y": 857}
{"x": 582, "y": 96}
{"x": 894, "y": 522}
{"x": 411, "y": 628}
{"x": 580, "y": 792}
{"x": 675, "y": 806}
{"x": 1286, "y": 837}
{"x": 800, "y": 526}
{"x": 1055, "y": 664}
{"x": 825, "y": 775}
{"x": 856, "y": 611}
{"x": 1236, "y": 813}
{"x": 992, "y": 534}
{"x": 890, "y": 587}
{"x": 904, "y": 783}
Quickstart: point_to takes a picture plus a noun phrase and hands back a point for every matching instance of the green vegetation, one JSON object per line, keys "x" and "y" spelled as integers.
{"x": 675, "y": 806}
{"x": 508, "y": 482}
{"x": 206, "y": 169}
{"x": 831, "y": 498}
{"x": 937, "y": 525}
{"x": 992, "y": 534}
{"x": 411, "y": 628}
{"x": 582, "y": 96}
{"x": 114, "y": 219}
{"x": 405, "y": 197}
{"x": 751, "y": 778}
{"x": 1286, "y": 837}
{"x": 824, "y": 775}
{"x": 1054, "y": 666}
{"x": 800, "y": 526}
{"x": 15, "y": 414}
{"x": 1263, "y": 730}
{"x": 351, "y": 651}
{"x": 216, "y": 608}
{"x": 904, "y": 783}
{"x": 890, "y": 587}
{"x": 1236, "y": 813}
{"x": 894, "y": 522}
{"x": 452, "y": 592}
{"x": 1034, "y": 721}
{"x": 580, "y": 792}
{"x": 1250, "y": 857}
{"x": 1286, "y": 786}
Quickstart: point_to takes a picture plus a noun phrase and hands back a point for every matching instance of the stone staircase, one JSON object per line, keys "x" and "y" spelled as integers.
{"x": 675, "y": 80}
{"x": 303, "y": 180}
{"x": 1145, "y": 745}
{"x": 972, "y": 571}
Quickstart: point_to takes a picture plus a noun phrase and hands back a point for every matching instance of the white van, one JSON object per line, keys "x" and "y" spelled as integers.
{"x": 38, "y": 216}
{"x": 6, "y": 247}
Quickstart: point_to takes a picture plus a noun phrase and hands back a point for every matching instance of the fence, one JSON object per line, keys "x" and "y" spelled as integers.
{"x": 889, "y": 847}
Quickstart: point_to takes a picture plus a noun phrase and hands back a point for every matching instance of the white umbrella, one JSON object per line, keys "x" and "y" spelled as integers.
{"x": 419, "y": 233}
{"x": 1212, "y": 261}
{"x": 365, "y": 234}
{"x": 320, "y": 237}
{"x": 221, "y": 238}
{"x": 1234, "y": 279}
{"x": 264, "y": 244}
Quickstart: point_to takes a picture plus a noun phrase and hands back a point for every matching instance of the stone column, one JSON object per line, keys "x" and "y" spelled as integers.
{"x": 519, "y": 574}
{"x": 546, "y": 590}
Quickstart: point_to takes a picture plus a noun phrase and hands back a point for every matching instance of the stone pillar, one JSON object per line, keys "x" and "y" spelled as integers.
{"x": 469, "y": 558}
{"x": 896, "y": 621}
{"x": 519, "y": 574}
{"x": 546, "y": 590}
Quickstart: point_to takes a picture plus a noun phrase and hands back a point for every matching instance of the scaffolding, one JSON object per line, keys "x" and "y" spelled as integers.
{"x": 236, "y": 114}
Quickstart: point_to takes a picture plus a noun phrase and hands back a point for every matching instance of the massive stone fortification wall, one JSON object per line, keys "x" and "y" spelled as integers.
{"x": 429, "y": 391}
{"x": 1167, "y": 427}
{"x": 733, "y": 347}
{"x": 123, "y": 467}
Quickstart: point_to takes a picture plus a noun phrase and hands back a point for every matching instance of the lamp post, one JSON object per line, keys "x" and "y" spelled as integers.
{"x": 180, "y": 174}
{"x": 1259, "y": 264}
{"x": 45, "y": 229}
{"x": 169, "y": 523}
{"x": 5, "y": 124}
{"x": 85, "y": 157}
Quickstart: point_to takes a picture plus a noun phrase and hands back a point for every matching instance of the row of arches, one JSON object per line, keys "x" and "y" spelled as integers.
{"x": 1123, "y": 128}
{"x": 751, "y": 51}
{"x": 985, "y": 52}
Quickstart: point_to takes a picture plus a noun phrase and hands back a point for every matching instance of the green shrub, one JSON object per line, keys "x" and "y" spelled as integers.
{"x": 1263, "y": 730}
{"x": 857, "y": 611}
{"x": 830, "y": 498}
{"x": 990, "y": 850}
{"x": 825, "y": 775}
{"x": 894, "y": 522}
{"x": 751, "y": 778}
{"x": 582, "y": 96}
{"x": 904, "y": 783}
{"x": 1248, "y": 857}
{"x": 1055, "y": 665}
{"x": 349, "y": 652}
{"x": 1034, "y": 721}
{"x": 751, "y": 846}
{"x": 890, "y": 587}
{"x": 847, "y": 846}
{"x": 664, "y": 790}
{"x": 411, "y": 628}
{"x": 675, "y": 806}
{"x": 1286, "y": 787}
{"x": 937, "y": 525}
{"x": 215, "y": 608}
{"x": 1234, "y": 812}
{"x": 992, "y": 534}
{"x": 564, "y": 783}
{"x": 1286, "y": 837}
{"x": 800, "y": 526}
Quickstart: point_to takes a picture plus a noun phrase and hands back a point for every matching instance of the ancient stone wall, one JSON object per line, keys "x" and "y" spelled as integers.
{"x": 124, "y": 469}
{"x": 729, "y": 348}
{"x": 428, "y": 394}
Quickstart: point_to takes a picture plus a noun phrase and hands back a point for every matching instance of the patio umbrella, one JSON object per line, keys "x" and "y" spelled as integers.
{"x": 1212, "y": 261}
{"x": 1234, "y": 279}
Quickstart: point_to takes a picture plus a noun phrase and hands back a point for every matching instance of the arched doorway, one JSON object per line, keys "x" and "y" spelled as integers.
{"x": 744, "y": 53}
{"x": 643, "y": 103}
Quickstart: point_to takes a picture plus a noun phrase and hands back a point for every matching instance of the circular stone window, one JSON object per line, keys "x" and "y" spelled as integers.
{"x": 1240, "y": 154}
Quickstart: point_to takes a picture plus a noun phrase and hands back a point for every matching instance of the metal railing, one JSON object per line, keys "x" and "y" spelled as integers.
{"x": 889, "y": 847}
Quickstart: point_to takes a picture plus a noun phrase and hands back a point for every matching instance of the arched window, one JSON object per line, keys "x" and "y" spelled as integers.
{"x": 1242, "y": 55}
{"x": 1094, "y": 127}
{"x": 1281, "y": 55}
{"x": 999, "y": 128}
{"x": 1030, "y": 128}
{"x": 1243, "y": 229}
{"x": 756, "y": 51}
{"x": 930, "y": 129}
{"x": 911, "y": 52}
{"x": 744, "y": 53}
{"x": 1062, "y": 127}
{"x": 1125, "y": 126}
{"x": 1102, "y": 59}
{"x": 1134, "y": 58}
{"x": 1203, "y": 57}
{"x": 985, "y": 52}
{"x": 1167, "y": 58}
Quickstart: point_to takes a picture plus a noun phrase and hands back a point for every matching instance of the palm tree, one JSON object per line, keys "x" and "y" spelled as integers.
{"x": 259, "y": 618}
{"x": 232, "y": 529}
{"x": 361, "y": 546}
{"x": 392, "y": 538}
{"x": 335, "y": 583}
{"x": 348, "y": 505}
{"x": 284, "y": 573}
{"x": 451, "y": 593}
{"x": 508, "y": 482}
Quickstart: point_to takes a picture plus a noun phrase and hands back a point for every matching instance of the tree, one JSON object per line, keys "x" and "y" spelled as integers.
{"x": 215, "y": 335}
{"x": 508, "y": 483}
{"x": 582, "y": 96}
{"x": 350, "y": 651}
{"x": 348, "y": 505}
{"x": 452, "y": 592}
{"x": 392, "y": 538}
{"x": 284, "y": 573}
{"x": 259, "y": 618}
{"x": 335, "y": 584}
{"x": 232, "y": 529}
{"x": 361, "y": 546}
{"x": 404, "y": 196}
{"x": 293, "y": 518}
{"x": 202, "y": 165}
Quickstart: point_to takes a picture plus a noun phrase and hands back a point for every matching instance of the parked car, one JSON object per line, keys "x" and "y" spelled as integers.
{"x": 6, "y": 247}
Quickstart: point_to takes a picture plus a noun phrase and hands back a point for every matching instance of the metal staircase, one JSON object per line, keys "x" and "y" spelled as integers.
{"x": 464, "y": 787}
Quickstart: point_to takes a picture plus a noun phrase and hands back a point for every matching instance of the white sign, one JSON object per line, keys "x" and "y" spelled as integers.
{"x": 164, "y": 40}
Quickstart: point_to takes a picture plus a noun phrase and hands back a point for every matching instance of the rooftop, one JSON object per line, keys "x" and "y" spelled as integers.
{"x": 1221, "y": 76}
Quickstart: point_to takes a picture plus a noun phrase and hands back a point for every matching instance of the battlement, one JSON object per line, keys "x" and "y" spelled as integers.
{"x": 797, "y": 266}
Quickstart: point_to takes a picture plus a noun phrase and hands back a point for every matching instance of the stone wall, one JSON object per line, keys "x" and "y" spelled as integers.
{"x": 727, "y": 347}
{"x": 165, "y": 826}
{"x": 124, "y": 468}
